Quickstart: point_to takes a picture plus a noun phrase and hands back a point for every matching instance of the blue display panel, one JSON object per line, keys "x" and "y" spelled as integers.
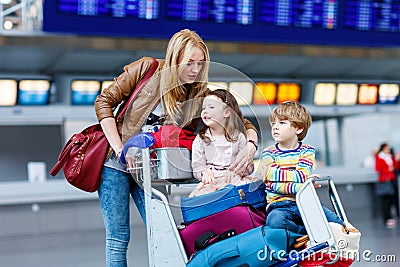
{"x": 302, "y": 14}
{"x": 383, "y": 16}
{"x": 334, "y": 22}
{"x": 240, "y": 12}
{"x": 33, "y": 92}
{"x": 114, "y": 8}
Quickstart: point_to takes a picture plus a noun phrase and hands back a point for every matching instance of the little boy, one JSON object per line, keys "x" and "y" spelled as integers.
{"x": 286, "y": 165}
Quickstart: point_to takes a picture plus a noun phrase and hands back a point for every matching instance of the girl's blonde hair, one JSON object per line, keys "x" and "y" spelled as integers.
{"x": 297, "y": 114}
{"x": 234, "y": 121}
{"x": 179, "y": 50}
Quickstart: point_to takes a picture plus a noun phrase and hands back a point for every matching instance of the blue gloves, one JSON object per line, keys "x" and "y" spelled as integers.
{"x": 141, "y": 140}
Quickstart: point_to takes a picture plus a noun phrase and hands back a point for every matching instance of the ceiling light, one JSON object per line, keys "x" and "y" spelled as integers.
{"x": 5, "y": 2}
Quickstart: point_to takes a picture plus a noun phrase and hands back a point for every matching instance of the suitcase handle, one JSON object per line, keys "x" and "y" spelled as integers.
{"x": 209, "y": 238}
{"x": 227, "y": 252}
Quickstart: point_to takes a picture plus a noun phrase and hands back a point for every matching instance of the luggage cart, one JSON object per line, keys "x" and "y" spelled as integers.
{"x": 165, "y": 248}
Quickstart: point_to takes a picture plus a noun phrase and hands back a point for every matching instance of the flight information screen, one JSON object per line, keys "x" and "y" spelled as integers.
{"x": 115, "y": 8}
{"x": 304, "y": 14}
{"x": 335, "y": 22}
{"x": 383, "y": 16}
{"x": 240, "y": 12}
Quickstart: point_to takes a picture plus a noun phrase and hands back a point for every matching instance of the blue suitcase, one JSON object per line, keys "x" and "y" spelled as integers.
{"x": 262, "y": 246}
{"x": 194, "y": 208}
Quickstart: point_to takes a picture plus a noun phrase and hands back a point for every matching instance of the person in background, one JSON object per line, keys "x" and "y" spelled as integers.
{"x": 180, "y": 78}
{"x": 386, "y": 165}
{"x": 286, "y": 165}
{"x": 218, "y": 143}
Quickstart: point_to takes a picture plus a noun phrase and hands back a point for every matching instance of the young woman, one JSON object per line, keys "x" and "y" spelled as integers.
{"x": 218, "y": 143}
{"x": 181, "y": 77}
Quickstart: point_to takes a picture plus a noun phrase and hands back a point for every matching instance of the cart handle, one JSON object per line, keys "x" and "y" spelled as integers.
{"x": 333, "y": 196}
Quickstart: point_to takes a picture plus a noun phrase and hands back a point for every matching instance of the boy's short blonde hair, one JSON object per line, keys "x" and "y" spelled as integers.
{"x": 294, "y": 112}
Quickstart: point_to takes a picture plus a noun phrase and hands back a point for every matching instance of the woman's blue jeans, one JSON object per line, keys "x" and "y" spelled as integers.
{"x": 114, "y": 192}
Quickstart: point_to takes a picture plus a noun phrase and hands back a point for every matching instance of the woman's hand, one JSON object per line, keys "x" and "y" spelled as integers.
{"x": 243, "y": 159}
{"x": 130, "y": 162}
{"x": 130, "y": 157}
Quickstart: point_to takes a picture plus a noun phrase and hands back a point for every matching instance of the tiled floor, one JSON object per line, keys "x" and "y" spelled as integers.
{"x": 87, "y": 249}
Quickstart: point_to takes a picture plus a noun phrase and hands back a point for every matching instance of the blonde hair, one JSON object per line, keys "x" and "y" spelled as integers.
{"x": 294, "y": 112}
{"x": 179, "y": 50}
{"x": 235, "y": 121}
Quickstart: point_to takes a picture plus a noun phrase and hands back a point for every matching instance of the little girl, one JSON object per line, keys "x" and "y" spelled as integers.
{"x": 218, "y": 143}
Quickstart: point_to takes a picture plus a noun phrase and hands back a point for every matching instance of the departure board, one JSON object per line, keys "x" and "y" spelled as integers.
{"x": 300, "y": 13}
{"x": 240, "y": 12}
{"x": 383, "y": 16}
{"x": 116, "y": 8}
{"x": 331, "y": 22}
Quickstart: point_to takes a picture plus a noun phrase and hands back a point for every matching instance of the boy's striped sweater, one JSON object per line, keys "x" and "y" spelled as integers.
{"x": 285, "y": 171}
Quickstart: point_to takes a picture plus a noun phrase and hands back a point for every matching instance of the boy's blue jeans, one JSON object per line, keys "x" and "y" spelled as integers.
{"x": 286, "y": 215}
{"x": 114, "y": 192}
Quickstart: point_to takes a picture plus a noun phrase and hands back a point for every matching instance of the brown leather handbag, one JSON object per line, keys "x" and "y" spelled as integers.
{"x": 82, "y": 157}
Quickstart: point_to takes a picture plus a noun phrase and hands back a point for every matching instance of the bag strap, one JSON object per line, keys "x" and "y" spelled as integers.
{"x": 202, "y": 241}
{"x": 142, "y": 82}
{"x": 62, "y": 158}
{"x": 77, "y": 138}
{"x": 208, "y": 238}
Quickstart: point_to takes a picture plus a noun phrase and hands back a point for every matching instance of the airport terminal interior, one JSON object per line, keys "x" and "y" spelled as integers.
{"x": 341, "y": 59}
